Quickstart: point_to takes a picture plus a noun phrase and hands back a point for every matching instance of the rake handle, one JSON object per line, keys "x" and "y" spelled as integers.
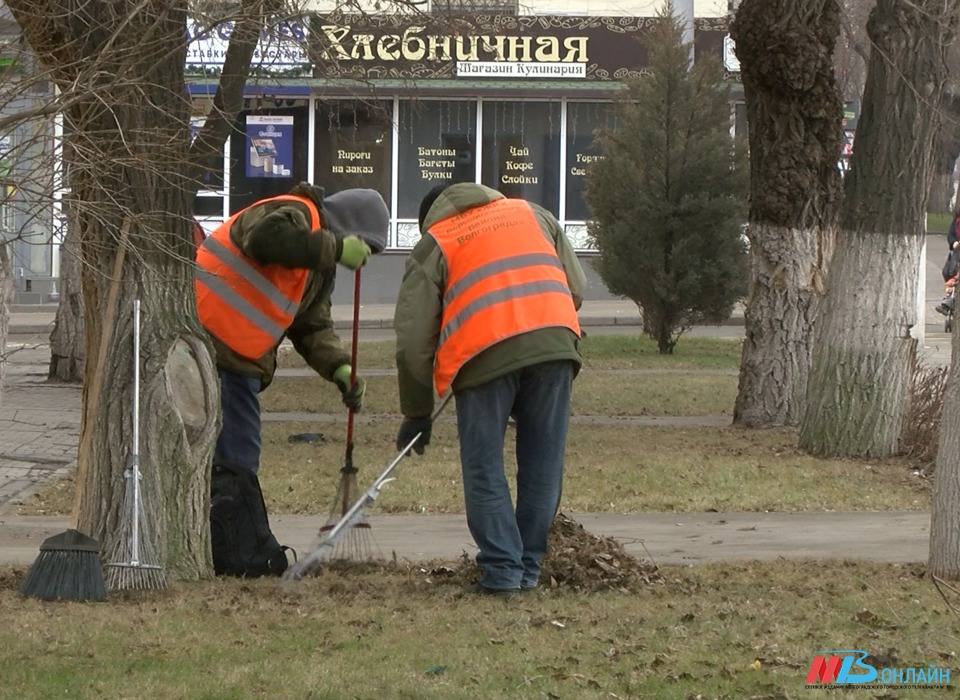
{"x": 348, "y": 457}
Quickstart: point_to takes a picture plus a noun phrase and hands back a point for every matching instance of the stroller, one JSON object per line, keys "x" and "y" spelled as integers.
{"x": 947, "y": 305}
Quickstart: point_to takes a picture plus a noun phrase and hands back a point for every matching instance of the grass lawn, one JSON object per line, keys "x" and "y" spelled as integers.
{"x": 406, "y": 632}
{"x": 733, "y": 631}
{"x": 938, "y": 223}
{"x": 614, "y": 462}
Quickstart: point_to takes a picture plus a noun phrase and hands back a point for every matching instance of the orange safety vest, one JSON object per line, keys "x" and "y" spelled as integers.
{"x": 246, "y": 305}
{"x": 504, "y": 279}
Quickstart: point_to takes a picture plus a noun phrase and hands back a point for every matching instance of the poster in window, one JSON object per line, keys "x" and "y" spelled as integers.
{"x": 270, "y": 148}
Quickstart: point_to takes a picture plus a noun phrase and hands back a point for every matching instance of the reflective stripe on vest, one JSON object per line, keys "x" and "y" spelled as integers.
{"x": 504, "y": 279}
{"x": 246, "y": 305}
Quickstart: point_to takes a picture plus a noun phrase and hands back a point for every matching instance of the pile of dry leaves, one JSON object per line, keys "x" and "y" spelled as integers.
{"x": 577, "y": 560}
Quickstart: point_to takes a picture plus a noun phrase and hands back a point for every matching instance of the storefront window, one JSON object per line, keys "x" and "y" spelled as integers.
{"x": 268, "y": 153}
{"x": 436, "y": 145}
{"x": 583, "y": 119}
{"x": 353, "y": 141}
{"x": 521, "y": 150}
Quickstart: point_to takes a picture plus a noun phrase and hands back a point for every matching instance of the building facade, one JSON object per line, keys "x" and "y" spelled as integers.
{"x": 400, "y": 102}
{"x": 479, "y": 90}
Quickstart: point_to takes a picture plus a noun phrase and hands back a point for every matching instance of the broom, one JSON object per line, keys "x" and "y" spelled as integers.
{"x": 357, "y": 543}
{"x": 68, "y": 568}
{"x": 127, "y": 570}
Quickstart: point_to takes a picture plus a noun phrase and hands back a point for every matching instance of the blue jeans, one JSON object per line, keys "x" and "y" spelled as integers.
{"x": 513, "y": 541}
{"x": 239, "y": 440}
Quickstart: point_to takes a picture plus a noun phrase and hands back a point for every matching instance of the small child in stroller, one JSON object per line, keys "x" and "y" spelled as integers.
{"x": 951, "y": 268}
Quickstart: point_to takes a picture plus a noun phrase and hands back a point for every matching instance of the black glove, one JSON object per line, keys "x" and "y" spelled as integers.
{"x": 409, "y": 429}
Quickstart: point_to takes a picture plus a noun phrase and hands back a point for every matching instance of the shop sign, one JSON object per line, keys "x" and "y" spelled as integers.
{"x": 282, "y": 49}
{"x": 527, "y": 46}
{"x": 516, "y": 69}
{"x": 418, "y": 47}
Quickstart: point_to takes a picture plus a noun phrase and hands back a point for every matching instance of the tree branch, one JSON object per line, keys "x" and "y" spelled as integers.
{"x": 206, "y": 150}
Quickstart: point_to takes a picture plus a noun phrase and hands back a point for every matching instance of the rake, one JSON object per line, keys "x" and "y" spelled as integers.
{"x": 326, "y": 549}
{"x": 357, "y": 543}
{"x": 131, "y": 566}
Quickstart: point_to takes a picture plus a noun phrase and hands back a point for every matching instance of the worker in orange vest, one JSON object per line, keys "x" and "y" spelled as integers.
{"x": 267, "y": 273}
{"x": 488, "y": 310}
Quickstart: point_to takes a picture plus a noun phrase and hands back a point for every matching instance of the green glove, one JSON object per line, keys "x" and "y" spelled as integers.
{"x": 352, "y": 395}
{"x": 353, "y": 252}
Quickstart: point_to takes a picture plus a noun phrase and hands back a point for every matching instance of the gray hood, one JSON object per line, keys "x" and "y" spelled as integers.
{"x": 358, "y": 212}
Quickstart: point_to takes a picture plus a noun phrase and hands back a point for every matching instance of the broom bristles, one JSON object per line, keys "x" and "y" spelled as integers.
{"x": 68, "y": 568}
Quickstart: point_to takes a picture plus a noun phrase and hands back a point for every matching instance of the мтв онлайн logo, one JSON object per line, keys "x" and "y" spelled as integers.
{"x": 851, "y": 667}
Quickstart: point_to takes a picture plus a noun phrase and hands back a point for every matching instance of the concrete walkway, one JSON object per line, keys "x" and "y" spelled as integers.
{"x": 667, "y": 539}
{"x": 39, "y": 430}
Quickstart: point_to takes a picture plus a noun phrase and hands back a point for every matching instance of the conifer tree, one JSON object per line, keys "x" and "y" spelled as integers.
{"x": 668, "y": 196}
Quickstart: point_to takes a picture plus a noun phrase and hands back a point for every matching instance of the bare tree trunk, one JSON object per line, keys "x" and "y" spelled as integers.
{"x": 179, "y": 392}
{"x": 66, "y": 339}
{"x": 864, "y": 354}
{"x": 128, "y": 133}
{"x": 944, "y": 559}
{"x": 178, "y": 423}
{"x": 794, "y": 110}
{"x": 6, "y": 293}
{"x": 788, "y": 267}
{"x": 119, "y": 66}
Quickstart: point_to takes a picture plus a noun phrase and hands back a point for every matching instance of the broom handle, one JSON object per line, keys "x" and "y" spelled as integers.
{"x": 95, "y": 381}
{"x": 135, "y": 467}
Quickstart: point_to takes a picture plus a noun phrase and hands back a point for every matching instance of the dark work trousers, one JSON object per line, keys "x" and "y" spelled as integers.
{"x": 239, "y": 440}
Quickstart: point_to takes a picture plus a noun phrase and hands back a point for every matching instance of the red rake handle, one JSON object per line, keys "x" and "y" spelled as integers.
{"x": 348, "y": 458}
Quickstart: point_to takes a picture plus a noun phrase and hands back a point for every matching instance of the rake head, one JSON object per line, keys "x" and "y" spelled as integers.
{"x": 357, "y": 543}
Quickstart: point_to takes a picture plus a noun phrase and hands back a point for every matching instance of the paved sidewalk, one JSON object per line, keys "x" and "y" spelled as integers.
{"x": 39, "y": 430}
{"x": 667, "y": 539}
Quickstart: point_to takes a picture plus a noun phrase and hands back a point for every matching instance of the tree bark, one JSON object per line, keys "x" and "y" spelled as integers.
{"x": 863, "y": 350}
{"x": 944, "y": 557}
{"x": 864, "y": 353}
{"x": 133, "y": 178}
{"x": 6, "y": 293}
{"x": 67, "y": 340}
{"x": 129, "y": 136}
{"x": 794, "y": 109}
{"x": 179, "y": 393}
